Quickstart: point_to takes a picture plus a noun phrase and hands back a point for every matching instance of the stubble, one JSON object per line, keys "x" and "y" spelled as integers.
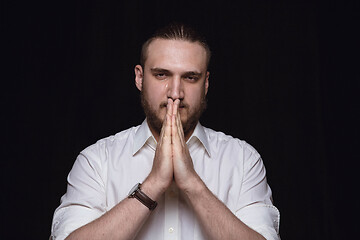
{"x": 155, "y": 122}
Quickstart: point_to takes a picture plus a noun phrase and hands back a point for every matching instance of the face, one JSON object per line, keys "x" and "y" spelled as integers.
{"x": 174, "y": 69}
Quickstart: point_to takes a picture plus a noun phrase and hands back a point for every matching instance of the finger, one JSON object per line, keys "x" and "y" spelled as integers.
{"x": 180, "y": 126}
{"x": 170, "y": 106}
{"x": 180, "y": 129}
{"x": 167, "y": 132}
{"x": 166, "y": 127}
{"x": 176, "y": 107}
{"x": 178, "y": 120}
{"x": 175, "y": 135}
{"x": 178, "y": 139}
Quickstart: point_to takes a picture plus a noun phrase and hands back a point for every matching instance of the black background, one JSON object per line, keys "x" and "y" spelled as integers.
{"x": 284, "y": 77}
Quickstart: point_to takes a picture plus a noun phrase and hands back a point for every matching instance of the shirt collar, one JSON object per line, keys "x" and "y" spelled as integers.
{"x": 143, "y": 135}
{"x": 200, "y": 134}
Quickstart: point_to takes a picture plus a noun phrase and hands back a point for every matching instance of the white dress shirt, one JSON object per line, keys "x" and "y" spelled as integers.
{"x": 104, "y": 173}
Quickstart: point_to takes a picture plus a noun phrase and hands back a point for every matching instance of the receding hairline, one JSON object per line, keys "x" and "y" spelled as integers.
{"x": 148, "y": 44}
{"x": 145, "y": 48}
{"x": 176, "y": 31}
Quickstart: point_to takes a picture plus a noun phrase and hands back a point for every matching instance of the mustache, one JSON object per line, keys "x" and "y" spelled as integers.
{"x": 181, "y": 105}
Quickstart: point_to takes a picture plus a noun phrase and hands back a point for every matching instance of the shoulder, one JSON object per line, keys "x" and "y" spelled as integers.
{"x": 117, "y": 141}
{"x": 220, "y": 142}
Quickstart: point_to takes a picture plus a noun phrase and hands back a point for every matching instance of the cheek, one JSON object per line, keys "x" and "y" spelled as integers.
{"x": 194, "y": 97}
{"x": 156, "y": 94}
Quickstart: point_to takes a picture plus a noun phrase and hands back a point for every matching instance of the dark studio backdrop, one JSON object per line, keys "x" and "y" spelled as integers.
{"x": 284, "y": 77}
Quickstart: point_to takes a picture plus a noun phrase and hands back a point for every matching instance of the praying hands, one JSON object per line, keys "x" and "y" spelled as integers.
{"x": 172, "y": 159}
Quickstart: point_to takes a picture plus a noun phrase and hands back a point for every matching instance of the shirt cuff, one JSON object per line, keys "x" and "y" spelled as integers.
{"x": 68, "y": 219}
{"x": 262, "y": 218}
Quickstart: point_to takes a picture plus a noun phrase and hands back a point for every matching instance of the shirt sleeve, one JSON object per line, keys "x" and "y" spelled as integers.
{"x": 84, "y": 200}
{"x": 255, "y": 207}
{"x": 262, "y": 218}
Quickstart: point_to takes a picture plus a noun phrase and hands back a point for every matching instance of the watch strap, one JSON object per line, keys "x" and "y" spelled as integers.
{"x": 143, "y": 198}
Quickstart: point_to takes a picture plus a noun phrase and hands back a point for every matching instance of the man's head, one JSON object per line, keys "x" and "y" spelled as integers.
{"x": 174, "y": 65}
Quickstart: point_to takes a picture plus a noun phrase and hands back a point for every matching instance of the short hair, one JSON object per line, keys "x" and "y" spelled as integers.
{"x": 176, "y": 31}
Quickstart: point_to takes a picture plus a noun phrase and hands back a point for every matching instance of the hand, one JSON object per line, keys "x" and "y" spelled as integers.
{"x": 184, "y": 172}
{"x": 162, "y": 172}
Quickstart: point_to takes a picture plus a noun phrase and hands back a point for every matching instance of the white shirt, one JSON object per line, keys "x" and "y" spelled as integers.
{"x": 104, "y": 173}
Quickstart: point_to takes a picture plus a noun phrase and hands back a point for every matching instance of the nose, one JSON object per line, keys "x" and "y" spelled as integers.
{"x": 175, "y": 88}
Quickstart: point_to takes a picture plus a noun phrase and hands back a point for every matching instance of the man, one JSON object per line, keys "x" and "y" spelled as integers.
{"x": 195, "y": 183}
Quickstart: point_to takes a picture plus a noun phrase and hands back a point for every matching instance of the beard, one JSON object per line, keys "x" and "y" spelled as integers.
{"x": 155, "y": 122}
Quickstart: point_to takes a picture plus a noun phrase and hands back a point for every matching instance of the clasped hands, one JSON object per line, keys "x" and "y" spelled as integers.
{"x": 172, "y": 159}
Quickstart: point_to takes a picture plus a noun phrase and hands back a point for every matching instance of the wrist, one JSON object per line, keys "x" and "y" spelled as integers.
{"x": 193, "y": 186}
{"x": 152, "y": 188}
{"x": 136, "y": 192}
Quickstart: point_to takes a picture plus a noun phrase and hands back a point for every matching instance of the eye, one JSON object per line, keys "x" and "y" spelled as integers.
{"x": 192, "y": 78}
{"x": 160, "y": 76}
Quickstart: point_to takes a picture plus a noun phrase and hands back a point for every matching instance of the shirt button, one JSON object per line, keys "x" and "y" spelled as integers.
{"x": 171, "y": 230}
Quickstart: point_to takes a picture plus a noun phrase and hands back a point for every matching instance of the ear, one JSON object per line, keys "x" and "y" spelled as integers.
{"x": 207, "y": 82}
{"x": 139, "y": 76}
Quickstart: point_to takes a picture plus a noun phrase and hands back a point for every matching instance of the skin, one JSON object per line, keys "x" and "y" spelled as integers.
{"x": 174, "y": 99}
{"x": 173, "y": 70}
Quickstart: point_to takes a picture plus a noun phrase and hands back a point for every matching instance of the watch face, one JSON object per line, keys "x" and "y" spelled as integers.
{"x": 134, "y": 189}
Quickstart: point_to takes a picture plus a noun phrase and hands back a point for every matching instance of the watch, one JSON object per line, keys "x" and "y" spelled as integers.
{"x": 136, "y": 192}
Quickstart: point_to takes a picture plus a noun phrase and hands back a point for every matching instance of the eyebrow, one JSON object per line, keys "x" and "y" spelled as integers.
{"x": 165, "y": 71}
{"x": 159, "y": 70}
{"x": 192, "y": 73}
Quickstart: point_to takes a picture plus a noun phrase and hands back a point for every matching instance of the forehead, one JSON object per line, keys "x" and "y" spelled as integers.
{"x": 173, "y": 54}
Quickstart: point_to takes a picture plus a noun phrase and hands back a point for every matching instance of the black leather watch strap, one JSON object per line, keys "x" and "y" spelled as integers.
{"x": 142, "y": 197}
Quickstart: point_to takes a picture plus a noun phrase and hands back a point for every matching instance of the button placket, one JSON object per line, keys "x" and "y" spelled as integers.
{"x": 171, "y": 228}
